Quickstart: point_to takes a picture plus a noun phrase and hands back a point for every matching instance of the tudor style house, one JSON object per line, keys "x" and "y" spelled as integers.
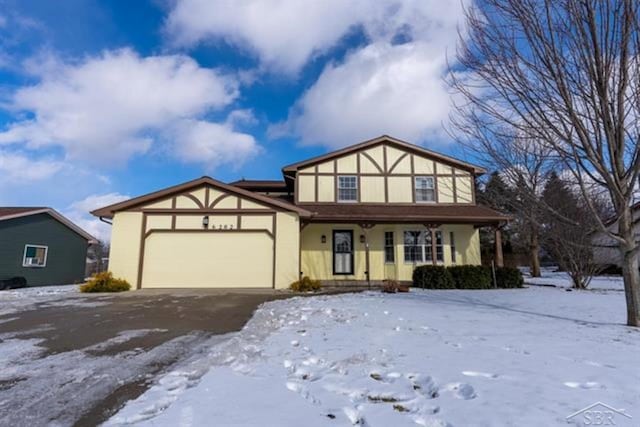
{"x": 368, "y": 212}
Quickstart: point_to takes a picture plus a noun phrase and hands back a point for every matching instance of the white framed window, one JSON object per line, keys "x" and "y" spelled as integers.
{"x": 417, "y": 246}
{"x": 347, "y": 188}
{"x": 425, "y": 189}
{"x": 35, "y": 256}
{"x": 389, "y": 254}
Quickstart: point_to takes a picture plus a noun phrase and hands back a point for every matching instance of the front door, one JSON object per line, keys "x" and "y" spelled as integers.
{"x": 342, "y": 252}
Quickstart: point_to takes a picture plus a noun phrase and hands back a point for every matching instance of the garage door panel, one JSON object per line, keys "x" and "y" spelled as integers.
{"x": 208, "y": 259}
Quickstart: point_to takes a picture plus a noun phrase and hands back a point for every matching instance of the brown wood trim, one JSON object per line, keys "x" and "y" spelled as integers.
{"x": 274, "y": 225}
{"x": 135, "y": 204}
{"x": 206, "y": 195}
{"x": 373, "y": 174}
{"x": 173, "y": 216}
{"x": 453, "y": 185}
{"x": 209, "y": 211}
{"x": 393, "y": 166}
{"x": 433, "y": 246}
{"x": 311, "y": 204}
{"x": 473, "y": 189}
{"x": 386, "y": 178}
{"x": 364, "y": 153}
{"x": 435, "y": 182}
{"x": 316, "y": 183}
{"x": 219, "y": 199}
{"x": 386, "y": 140}
{"x": 335, "y": 181}
{"x": 143, "y": 237}
{"x": 358, "y": 177}
{"x": 208, "y": 230}
{"x": 413, "y": 180}
{"x": 194, "y": 198}
{"x": 239, "y": 222}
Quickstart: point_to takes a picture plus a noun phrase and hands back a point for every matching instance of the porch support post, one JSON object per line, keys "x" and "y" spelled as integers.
{"x": 499, "y": 256}
{"x": 365, "y": 231}
{"x": 432, "y": 232}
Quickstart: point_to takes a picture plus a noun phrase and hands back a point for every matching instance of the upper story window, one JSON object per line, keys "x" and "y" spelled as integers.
{"x": 35, "y": 256}
{"x": 425, "y": 190}
{"x": 347, "y": 189}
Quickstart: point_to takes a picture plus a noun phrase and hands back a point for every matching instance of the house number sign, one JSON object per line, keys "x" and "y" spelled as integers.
{"x": 222, "y": 226}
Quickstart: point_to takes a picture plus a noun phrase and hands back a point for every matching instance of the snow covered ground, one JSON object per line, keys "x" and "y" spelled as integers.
{"x": 14, "y": 300}
{"x": 562, "y": 280}
{"x": 524, "y": 357}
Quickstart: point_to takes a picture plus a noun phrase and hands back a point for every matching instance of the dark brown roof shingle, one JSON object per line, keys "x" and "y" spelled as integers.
{"x": 461, "y": 214}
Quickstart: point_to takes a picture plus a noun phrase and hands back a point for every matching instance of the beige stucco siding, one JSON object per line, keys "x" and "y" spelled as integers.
{"x": 372, "y": 189}
{"x": 400, "y": 189}
{"x": 464, "y": 188}
{"x": 326, "y": 188}
{"x": 445, "y": 189}
{"x": 287, "y": 249}
{"x": 306, "y": 188}
{"x": 125, "y": 245}
{"x": 317, "y": 257}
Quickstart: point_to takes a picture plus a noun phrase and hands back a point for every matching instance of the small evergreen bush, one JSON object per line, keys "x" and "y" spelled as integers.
{"x": 105, "y": 282}
{"x": 471, "y": 276}
{"x": 305, "y": 285}
{"x": 509, "y": 277}
{"x": 432, "y": 277}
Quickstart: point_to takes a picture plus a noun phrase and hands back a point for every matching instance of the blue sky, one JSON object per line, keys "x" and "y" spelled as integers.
{"x": 104, "y": 100}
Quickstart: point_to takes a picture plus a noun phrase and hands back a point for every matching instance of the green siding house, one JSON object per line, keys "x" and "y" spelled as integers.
{"x": 42, "y": 246}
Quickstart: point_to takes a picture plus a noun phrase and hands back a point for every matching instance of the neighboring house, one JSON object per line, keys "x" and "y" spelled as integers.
{"x": 372, "y": 211}
{"x": 605, "y": 249}
{"x": 42, "y": 246}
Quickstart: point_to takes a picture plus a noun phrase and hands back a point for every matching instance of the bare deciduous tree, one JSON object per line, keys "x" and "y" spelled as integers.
{"x": 567, "y": 73}
{"x": 567, "y": 232}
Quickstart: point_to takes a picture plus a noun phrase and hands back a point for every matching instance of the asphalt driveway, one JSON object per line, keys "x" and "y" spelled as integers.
{"x": 75, "y": 359}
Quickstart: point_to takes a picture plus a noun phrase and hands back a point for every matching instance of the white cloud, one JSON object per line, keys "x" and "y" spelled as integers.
{"x": 107, "y": 108}
{"x": 285, "y": 34}
{"x": 381, "y": 89}
{"x": 212, "y": 144}
{"x": 393, "y": 84}
{"x": 18, "y": 167}
{"x": 78, "y": 212}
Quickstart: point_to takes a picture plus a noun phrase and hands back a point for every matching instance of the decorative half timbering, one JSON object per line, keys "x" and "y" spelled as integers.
{"x": 385, "y": 174}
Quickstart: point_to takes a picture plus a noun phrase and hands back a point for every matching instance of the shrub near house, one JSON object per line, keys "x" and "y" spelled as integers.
{"x": 465, "y": 277}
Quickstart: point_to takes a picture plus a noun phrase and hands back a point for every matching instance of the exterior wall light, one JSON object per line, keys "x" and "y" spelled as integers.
{"x": 205, "y": 221}
{"x": 323, "y": 239}
{"x": 362, "y": 240}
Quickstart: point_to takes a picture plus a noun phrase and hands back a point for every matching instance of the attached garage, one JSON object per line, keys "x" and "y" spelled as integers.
{"x": 208, "y": 260}
{"x": 205, "y": 234}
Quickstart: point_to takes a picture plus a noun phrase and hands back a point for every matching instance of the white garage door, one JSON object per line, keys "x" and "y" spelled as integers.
{"x": 208, "y": 260}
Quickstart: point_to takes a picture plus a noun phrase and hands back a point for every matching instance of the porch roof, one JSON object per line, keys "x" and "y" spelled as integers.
{"x": 377, "y": 213}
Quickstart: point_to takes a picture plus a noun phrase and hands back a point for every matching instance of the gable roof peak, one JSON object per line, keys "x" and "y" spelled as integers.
{"x": 109, "y": 211}
{"x": 392, "y": 141}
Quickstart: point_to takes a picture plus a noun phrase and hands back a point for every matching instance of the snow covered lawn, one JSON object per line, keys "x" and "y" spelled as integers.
{"x": 526, "y": 357}
{"x": 562, "y": 280}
